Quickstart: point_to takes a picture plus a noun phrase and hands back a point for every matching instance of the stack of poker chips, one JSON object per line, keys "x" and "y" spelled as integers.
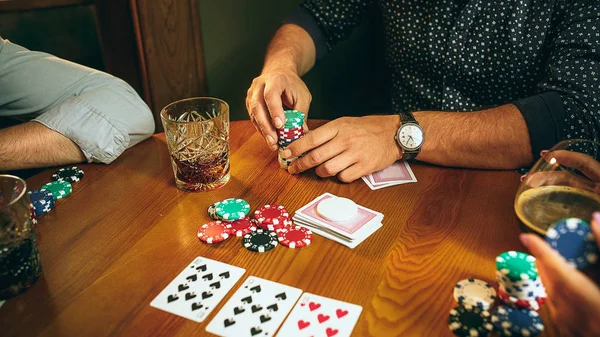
{"x": 271, "y": 225}
{"x": 291, "y": 131}
{"x": 519, "y": 282}
{"x": 43, "y": 200}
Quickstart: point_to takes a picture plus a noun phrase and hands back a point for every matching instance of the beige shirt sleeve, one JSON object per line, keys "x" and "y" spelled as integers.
{"x": 102, "y": 114}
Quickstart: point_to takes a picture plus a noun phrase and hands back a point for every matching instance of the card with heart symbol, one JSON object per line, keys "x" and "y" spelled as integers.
{"x": 317, "y": 316}
{"x": 257, "y": 308}
{"x": 198, "y": 289}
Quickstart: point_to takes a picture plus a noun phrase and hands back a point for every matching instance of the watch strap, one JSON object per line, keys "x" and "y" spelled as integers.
{"x": 407, "y": 117}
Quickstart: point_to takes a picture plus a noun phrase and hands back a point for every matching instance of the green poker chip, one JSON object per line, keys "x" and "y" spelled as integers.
{"x": 517, "y": 266}
{"x": 293, "y": 119}
{"x": 59, "y": 189}
{"x": 260, "y": 241}
{"x": 232, "y": 209}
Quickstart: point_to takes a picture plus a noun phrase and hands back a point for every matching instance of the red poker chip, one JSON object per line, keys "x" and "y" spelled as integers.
{"x": 214, "y": 231}
{"x": 289, "y": 134}
{"x": 294, "y": 237}
{"x": 271, "y": 214}
{"x": 272, "y": 227}
{"x": 298, "y": 129}
{"x": 242, "y": 226}
{"x": 533, "y": 304}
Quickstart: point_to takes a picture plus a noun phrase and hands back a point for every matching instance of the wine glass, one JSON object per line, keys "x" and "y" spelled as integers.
{"x": 564, "y": 183}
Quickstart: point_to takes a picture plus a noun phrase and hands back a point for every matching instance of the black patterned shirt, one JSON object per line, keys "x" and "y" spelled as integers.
{"x": 451, "y": 55}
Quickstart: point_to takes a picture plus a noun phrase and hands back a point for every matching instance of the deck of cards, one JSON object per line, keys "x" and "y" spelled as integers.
{"x": 396, "y": 174}
{"x": 339, "y": 219}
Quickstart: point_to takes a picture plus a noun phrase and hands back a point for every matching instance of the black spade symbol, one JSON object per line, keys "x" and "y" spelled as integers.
{"x": 206, "y": 294}
{"x": 172, "y": 298}
{"x": 247, "y": 299}
{"x": 255, "y": 331}
{"x": 281, "y": 296}
{"x": 207, "y": 277}
{"x": 256, "y": 308}
{"x": 201, "y": 268}
{"x": 238, "y": 310}
{"x": 228, "y": 322}
{"x": 189, "y": 296}
{"x": 273, "y": 307}
{"x": 192, "y": 278}
{"x": 224, "y": 275}
{"x": 196, "y": 306}
{"x": 215, "y": 285}
{"x": 183, "y": 287}
{"x": 264, "y": 318}
{"x": 255, "y": 289}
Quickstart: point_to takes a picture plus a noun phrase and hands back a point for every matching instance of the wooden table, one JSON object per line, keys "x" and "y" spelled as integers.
{"x": 126, "y": 231}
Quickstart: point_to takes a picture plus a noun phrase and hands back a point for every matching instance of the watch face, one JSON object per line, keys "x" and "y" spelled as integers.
{"x": 410, "y": 136}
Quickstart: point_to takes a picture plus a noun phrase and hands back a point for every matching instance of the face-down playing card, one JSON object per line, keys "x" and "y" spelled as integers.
{"x": 257, "y": 308}
{"x": 198, "y": 289}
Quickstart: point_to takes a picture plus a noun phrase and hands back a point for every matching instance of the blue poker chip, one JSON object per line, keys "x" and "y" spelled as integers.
{"x": 517, "y": 322}
{"x": 42, "y": 200}
{"x": 574, "y": 240}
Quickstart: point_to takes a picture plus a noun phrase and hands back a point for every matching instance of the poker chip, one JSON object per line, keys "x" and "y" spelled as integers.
{"x": 574, "y": 240}
{"x": 475, "y": 292}
{"x": 59, "y": 189}
{"x": 70, "y": 174}
{"x": 532, "y": 304}
{"x": 294, "y": 237}
{"x": 516, "y": 322}
{"x": 212, "y": 213}
{"x": 42, "y": 201}
{"x": 271, "y": 214}
{"x": 260, "y": 241}
{"x": 527, "y": 289}
{"x": 337, "y": 209}
{"x": 293, "y": 119}
{"x": 517, "y": 266}
{"x": 214, "y": 231}
{"x": 241, "y": 227}
{"x": 232, "y": 209}
{"x": 468, "y": 320}
{"x": 273, "y": 227}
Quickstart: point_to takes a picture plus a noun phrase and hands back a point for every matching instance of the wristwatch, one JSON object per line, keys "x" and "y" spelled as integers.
{"x": 409, "y": 136}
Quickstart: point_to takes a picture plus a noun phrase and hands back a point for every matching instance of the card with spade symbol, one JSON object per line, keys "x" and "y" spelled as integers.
{"x": 319, "y": 316}
{"x": 257, "y": 308}
{"x": 198, "y": 289}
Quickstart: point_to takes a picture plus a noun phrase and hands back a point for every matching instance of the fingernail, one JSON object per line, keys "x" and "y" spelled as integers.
{"x": 543, "y": 152}
{"x": 270, "y": 140}
{"x": 596, "y": 217}
{"x": 286, "y": 154}
{"x": 524, "y": 239}
{"x": 291, "y": 170}
{"x": 523, "y": 177}
{"x": 278, "y": 122}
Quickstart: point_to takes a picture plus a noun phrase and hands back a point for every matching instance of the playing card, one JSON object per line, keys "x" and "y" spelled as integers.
{"x": 331, "y": 235}
{"x": 348, "y": 228}
{"x": 198, "y": 289}
{"x": 317, "y": 316}
{"x": 256, "y": 309}
{"x": 396, "y": 174}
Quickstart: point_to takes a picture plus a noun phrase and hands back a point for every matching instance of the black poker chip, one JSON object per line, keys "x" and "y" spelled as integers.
{"x": 69, "y": 174}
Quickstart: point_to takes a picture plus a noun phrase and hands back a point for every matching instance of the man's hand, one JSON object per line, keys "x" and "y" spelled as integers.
{"x": 267, "y": 94}
{"x": 573, "y": 298}
{"x": 348, "y": 147}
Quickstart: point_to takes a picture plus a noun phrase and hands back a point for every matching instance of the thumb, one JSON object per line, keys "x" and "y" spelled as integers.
{"x": 553, "y": 268}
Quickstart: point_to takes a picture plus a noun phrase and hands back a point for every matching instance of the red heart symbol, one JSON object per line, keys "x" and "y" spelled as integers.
{"x": 302, "y": 324}
{"x": 331, "y": 332}
{"x": 341, "y": 313}
{"x": 313, "y": 306}
{"x": 322, "y": 318}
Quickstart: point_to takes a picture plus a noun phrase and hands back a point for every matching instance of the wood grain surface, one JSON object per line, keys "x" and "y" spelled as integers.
{"x": 126, "y": 231}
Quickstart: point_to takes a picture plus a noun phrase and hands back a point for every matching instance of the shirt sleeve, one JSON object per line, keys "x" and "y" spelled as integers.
{"x": 329, "y": 21}
{"x": 100, "y": 113}
{"x": 569, "y": 100}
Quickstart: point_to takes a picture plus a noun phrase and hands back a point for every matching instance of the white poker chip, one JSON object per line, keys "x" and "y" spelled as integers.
{"x": 337, "y": 209}
{"x": 475, "y": 292}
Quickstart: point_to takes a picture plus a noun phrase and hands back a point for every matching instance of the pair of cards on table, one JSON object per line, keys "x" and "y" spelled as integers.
{"x": 257, "y": 308}
{"x": 339, "y": 219}
{"x": 396, "y": 174}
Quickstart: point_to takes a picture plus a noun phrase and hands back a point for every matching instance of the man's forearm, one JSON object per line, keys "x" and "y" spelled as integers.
{"x": 496, "y": 138}
{"x": 291, "y": 48}
{"x": 32, "y": 145}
